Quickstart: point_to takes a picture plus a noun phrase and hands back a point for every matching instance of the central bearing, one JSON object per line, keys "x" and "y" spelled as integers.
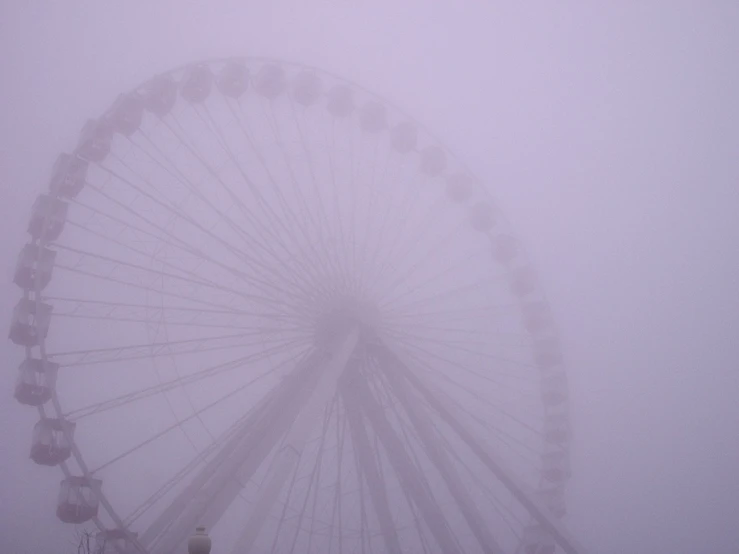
{"x": 342, "y": 314}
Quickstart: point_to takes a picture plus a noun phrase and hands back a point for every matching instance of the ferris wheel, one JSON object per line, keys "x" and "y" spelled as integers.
{"x": 258, "y": 297}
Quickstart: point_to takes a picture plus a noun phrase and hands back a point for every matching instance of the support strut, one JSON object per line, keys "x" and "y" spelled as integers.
{"x": 216, "y": 486}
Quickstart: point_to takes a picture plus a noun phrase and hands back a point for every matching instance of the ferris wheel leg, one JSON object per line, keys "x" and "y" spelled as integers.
{"x": 309, "y": 418}
{"x": 218, "y": 484}
{"x": 548, "y": 522}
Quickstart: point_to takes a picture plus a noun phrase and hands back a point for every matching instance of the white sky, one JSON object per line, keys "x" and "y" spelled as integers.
{"x": 609, "y": 133}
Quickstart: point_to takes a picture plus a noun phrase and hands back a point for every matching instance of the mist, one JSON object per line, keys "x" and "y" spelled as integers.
{"x": 606, "y": 134}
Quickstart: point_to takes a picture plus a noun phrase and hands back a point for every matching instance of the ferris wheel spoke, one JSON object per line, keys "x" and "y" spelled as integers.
{"x": 475, "y": 323}
{"x": 174, "y": 210}
{"x": 370, "y": 204}
{"x": 74, "y": 358}
{"x": 313, "y": 474}
{"x": 354, "y": 191}
{"x": 135, "y": 285}
{"x": 268, "y": 172}
{"x": 322, "y": 215}
{"x": 264, "y": 286}
{"x": 153, "y": 320}
{"x": 242, "y": 455}
{"x": 470, "y": 346}
{"x": 429, "y": 437}
{"x": 192, "y": 187}
{"x": 240, "y": 254}
{"x": 251, "y": 184}
{"x": 321, "y": 255}
{"x": 170, "y": 168}
{"x": 353, "y": 187}
{"x": 339, "y": 230}
{"x": 192, "y": 377}
{"x": 406, "y": 429}
{"x": 516, "y": 488}
{"x": 370, "y": 471}
{"x": 450, "y": 294}
{"x": 427, "y": 329}
{"x": 144, "y": 254}
{"x": 337, "y": 511}
{"x": 412, "y": 266}
{"x": 407, "y": 340}
{"x": 409, "y": 435}
{"x": 402, "y": 245}
{"x": 464, "y": 313}
{"x": 415, "y": 516}
{"x": 497, "y": 504}
{"x": 362, "y": 510}
{"x": 408, "y": 210}
{"x": 185, "y": 247}
{"x": 396, "y": 212}
{"x": 391, "y": 169}
{"x": 341, "y": 238}
{"x": 267, "y": 233}
{"x": 237, "y": 201}
{"x": 506, "y": 438}
{"x": 200, "y": 457}
{"x": 500, "y": 433}
{"x": 196, "y": 414}
{"x": 174, "y": 315}
{"x": 281, "y": 522}
{"x": 265, "y": 273}
{"x": 151, "y": 270}
{"x": 403, "y": 466}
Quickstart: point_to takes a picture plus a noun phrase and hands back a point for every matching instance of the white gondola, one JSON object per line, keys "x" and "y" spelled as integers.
{"x": 35, "y": 383}
{"x": 79, "y": 499}
{"x": 126, "y": 114}
{"x": 68, "y": 176}
{"x": 95, "y": 139}
{"x": 51, "y": 443}
{"x": 34, "y": 267}
{"x": 159, "y": 95}
{"x": 196, "y": 83}
{"x": 233, "y": 79}
{"x": 48, "y": 215}
{"x": 30, "y": 322}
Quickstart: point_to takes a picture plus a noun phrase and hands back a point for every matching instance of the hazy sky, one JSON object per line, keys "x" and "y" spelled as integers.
{"x": 608, "y": 131}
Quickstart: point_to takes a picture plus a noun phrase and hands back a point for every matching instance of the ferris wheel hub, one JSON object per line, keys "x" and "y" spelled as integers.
{"x": 342, "y": 313}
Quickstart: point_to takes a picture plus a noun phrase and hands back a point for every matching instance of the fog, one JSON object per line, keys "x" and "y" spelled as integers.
{"x": 608, "y": 136}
